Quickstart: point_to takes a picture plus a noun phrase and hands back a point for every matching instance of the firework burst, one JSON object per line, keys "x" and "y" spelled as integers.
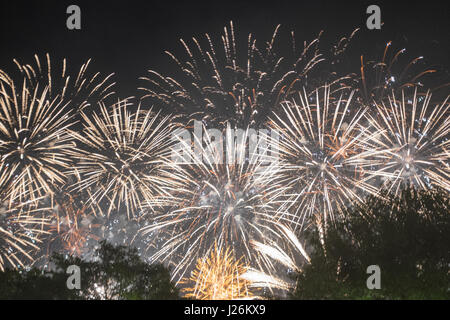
{"x": 34, "y": 143}
{"x": 411, "y": 144}
{"x": 225, "y": 201}
{"x": 218, "y": 277}
{"x": 321, "y": 138}
{"x": 218, "y": 84}
{"x": 121, "y": 159}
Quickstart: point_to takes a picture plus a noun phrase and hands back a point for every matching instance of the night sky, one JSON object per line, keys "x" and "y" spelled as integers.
{"x": 130, "y": 37}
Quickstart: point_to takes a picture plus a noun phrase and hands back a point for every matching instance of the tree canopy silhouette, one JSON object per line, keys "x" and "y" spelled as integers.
{"x": 115, "y": 273}
{"x": 407, "y": 236}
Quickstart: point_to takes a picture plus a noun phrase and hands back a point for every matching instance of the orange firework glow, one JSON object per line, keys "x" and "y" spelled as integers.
{"x": 218, "y": 277}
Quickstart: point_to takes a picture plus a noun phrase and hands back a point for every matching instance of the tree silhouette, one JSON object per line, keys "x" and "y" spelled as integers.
{"x": 407, "y": 236}
{"x": 115, "y": 273}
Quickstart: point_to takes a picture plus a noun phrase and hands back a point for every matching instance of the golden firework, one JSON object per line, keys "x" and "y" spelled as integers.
{"x": 224, "y": 201}
{"x": 34, "y": 143}
{"x": 79, "y": 90}
{"x": 121, "y": 159}
{"x": 218, "y": 277}
{"x": 321, "y": 139}
{"x": 410, "y": 143}
{"x": 223, "y": 83}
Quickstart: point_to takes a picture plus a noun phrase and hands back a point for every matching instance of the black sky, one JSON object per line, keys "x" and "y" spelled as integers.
{"x": 129, "y": 37}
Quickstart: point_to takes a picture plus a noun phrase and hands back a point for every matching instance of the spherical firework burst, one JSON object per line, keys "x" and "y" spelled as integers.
{"x": 34, "y": 142}
{"x": 227, "y": 201}
{"x": 218, "y": 84}
{"x": 411, "y": 144}
{"x": 19, "y": 237}
{"x": 218, "y": 277}
{"x": 321, "y": 137}
{"x": 121, "y": 159}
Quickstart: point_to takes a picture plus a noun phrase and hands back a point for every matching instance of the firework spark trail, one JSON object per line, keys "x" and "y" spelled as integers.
{"x": 121, "y": 159}
{"x": 34, "y": 143}
{"x": 218, "y": 277}
{"x": 378, "y": 78}
{"x": 411, "y": 144}
{"x": 262, "y": 280}
{"x": 228, "y": 202}
{"x": 275, "y": 252}
{"x": 80, "y": 90}
{"x": 219, "y": 86}
{"x": 321, "y": 138}
{"x": 286, "y": 250}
